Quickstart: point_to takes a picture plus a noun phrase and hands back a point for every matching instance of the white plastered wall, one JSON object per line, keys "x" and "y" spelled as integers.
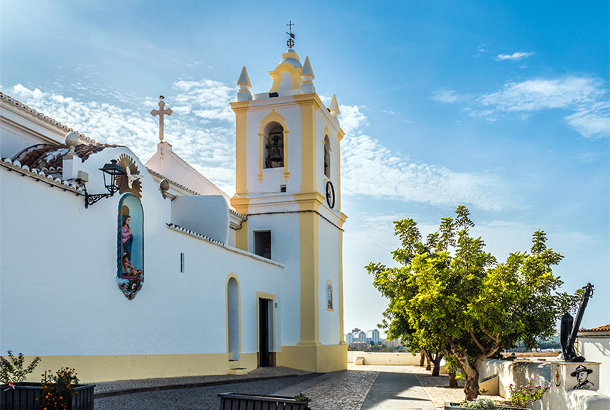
{"x": 58, "y": 267}
{"x": 285, "y": 249}
{"x": 597, "y": 349}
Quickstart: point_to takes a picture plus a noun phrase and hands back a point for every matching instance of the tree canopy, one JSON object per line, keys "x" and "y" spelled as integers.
{"x": 449, "y": 294}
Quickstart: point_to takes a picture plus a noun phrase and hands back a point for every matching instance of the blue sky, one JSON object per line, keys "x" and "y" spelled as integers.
{"x": 502, "y": 106}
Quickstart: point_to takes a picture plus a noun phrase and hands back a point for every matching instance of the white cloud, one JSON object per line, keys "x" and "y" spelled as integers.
{"x": 584, "y": 96}
{"x": 371, "y": 169}
{"x": 593, "y": 121}
{"x": 352, "y": 118}
{"x": 515, "y": 56}
{"x": 445, "y": 96}
{"x": 210, "y": 149}
{"x": 534, "y": 95}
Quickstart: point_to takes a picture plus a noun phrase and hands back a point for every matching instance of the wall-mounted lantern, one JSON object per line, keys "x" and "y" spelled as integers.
{"x": 112, "y": 170}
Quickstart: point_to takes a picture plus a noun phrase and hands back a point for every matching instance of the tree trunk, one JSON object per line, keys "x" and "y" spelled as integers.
{"x": 437, "y": 364}
{"x": 472, "y": 386}
{"x": 422, "y": 358}
{"x": 428, "y": 360}
{"x": 452, "y": 381}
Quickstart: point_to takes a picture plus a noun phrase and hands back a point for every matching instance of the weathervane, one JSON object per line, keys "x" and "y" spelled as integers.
{"x": 290, "y": 42}
{"x": 161, "y": 112}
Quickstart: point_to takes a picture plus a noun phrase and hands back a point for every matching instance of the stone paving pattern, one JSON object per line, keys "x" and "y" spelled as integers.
{"x": 261, "y": 372}
{"x": 199, "y": 398}
{"x": 358, "y": 388}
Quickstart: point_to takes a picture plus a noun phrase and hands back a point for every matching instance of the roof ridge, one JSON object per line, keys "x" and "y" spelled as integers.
{"x": 43, "y": 117}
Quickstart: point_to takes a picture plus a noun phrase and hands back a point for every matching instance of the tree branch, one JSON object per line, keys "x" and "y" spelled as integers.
{"x": 494, "y": 338}
{"x": 476, "y": 341}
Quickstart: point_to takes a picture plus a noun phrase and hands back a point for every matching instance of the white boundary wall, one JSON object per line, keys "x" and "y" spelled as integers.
{"x": 379, "y": 358}
{"x": 519, "y": 373}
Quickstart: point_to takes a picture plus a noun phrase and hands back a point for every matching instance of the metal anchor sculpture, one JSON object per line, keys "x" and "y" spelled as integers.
{"x": 569, "y": 329}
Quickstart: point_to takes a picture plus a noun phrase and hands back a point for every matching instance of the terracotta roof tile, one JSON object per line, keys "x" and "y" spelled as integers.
{"x": 604, "y": 328}
{"x": 47, "y": 157}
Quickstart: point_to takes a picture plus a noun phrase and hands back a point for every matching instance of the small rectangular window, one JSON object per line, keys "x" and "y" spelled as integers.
{"x": 262, "y": 244}
{"x": 282, "y": 188}
{"x": 181, "y": 262}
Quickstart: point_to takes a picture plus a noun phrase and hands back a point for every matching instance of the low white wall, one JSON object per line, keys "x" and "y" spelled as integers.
{"x": 378, "y": 358}
{"x": 519, "y": 373}
{"x": 597, "y": 349}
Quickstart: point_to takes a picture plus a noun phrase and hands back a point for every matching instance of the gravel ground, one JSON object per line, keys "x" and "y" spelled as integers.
{"x": 437, "y": 391}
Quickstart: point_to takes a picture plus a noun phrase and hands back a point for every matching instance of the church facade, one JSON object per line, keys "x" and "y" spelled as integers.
{"x": 124, "y": 269}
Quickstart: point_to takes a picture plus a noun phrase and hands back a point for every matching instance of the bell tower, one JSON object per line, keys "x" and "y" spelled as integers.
{"x": 288, "y": 184}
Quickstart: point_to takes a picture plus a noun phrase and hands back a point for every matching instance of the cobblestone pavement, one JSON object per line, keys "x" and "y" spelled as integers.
{"x": 343, "y": 390}
{"x": 199, "y": 398}
{"x": 102, "y": 388}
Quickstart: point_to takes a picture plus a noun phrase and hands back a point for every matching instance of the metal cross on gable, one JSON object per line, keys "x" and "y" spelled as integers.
{"x": 161, "y": 112}
{"x": 290, "y": 42}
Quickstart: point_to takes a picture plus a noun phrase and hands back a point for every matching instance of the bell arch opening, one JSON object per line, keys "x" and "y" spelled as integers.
{"x": 273, "y": 145}
{"x": 327, "y": 152}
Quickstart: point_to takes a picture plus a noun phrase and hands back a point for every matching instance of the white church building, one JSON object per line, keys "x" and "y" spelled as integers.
{"x": 124, "y": 269}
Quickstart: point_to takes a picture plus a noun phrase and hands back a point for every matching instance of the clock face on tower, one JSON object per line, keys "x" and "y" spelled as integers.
{"x": 330, "y": 194}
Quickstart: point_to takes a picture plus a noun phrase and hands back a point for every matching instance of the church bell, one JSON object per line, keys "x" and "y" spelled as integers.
{"x": 275, "y": 155}
{"x": 275, "y": 149}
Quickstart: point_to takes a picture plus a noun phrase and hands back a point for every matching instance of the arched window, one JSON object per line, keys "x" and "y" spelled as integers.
{"x": 233, "y": 318}
{"x": 130, "y": 246}
{"x": 327, "y": 157}
{"x": 273, "y": 144}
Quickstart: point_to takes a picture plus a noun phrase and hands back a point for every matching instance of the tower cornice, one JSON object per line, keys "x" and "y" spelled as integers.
{"x": 308, "y": 99}
{"x": 238, "y": 106}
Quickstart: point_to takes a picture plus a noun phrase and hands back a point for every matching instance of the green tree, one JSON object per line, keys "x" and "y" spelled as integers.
{"x": 450, "y": 295}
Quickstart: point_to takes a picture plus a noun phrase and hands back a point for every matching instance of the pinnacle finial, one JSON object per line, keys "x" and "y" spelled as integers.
{"x": 290, "y": 42}
{"x": 334, "y": 107}
{"x": 244, "y": 79}
{"x": 307, "y": 71}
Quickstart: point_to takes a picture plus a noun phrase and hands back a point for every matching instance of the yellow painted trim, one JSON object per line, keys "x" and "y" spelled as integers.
{"x": 98, "y": 368}
{"x": 309, "y": 201}
{"x": 310, "y": 308}
{"x": 241, "y": 235}
{"x": 295, "y": 73}
{"x": 340, "y": 290}
{"x": 241, "y": 147}
{"x": 229, "y": 276}
{"x": 261, "y": 150}
{"x": 273, "y": 116}
{"x": 270, "y": 296}
{"x": 319, "y": 359}
{"x": 276, "y": 76}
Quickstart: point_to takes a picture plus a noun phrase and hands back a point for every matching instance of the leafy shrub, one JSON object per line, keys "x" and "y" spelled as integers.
{"x": 12, "y": 370}
{"x": 57, "y": 389}
{"x": 479, "y": 404}
{"x": 523, "y": 395}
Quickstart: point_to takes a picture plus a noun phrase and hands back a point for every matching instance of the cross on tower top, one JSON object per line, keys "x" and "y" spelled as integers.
{"x": 161, "y": 112}
{"x": 290, "y": 42}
